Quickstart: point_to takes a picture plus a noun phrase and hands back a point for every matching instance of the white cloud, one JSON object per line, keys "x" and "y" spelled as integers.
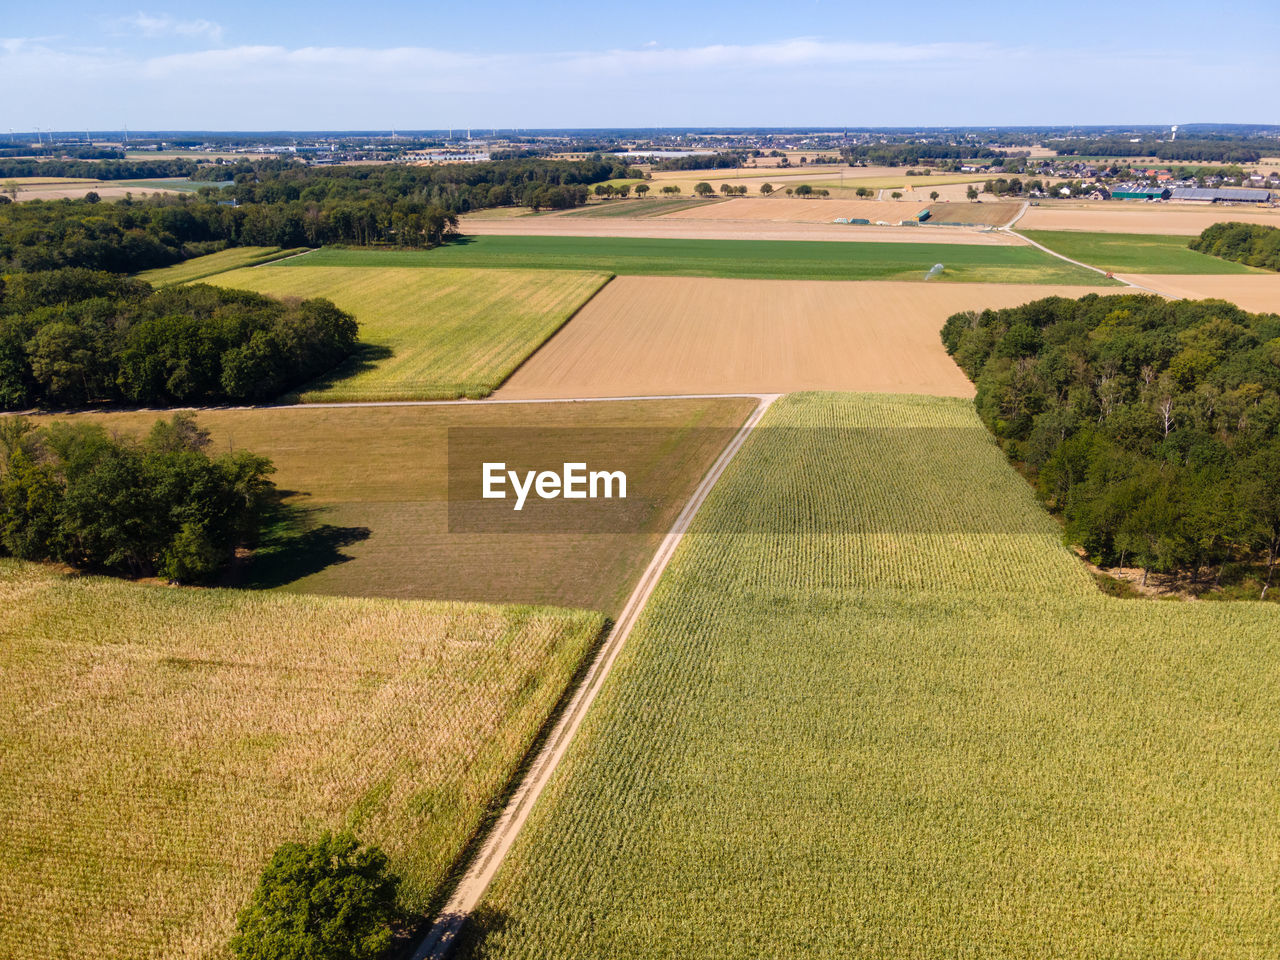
{"x": 164, "y": 25}
{"x": 788, "y": 82}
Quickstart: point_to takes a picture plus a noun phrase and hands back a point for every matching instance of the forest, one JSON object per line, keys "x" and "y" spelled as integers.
{"x": 896, "y": 154}
{"x": 1254, "y": 244}
{"x": 98, "y": 170}
{"x": 1149, "y": 426}
{"x": 74, "y": 337}
{"x": 1198, "y": 149}
{"x": 72, "y": 493}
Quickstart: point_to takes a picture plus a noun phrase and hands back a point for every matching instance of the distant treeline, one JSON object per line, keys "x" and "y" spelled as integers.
{"x": 1151, "y": 426}
{"x": 72, "y": 493}
{"x": 1249, "y": 243}
{"x": 76, "y": 153}
{"x": 896, "y": 154}
{"x": 74, "y": 337}
{"x": 287, "y": 205}
{"x": 97, "y": 170}
{"x": 703, "y": 161}
{"x": 1200, "y": 150}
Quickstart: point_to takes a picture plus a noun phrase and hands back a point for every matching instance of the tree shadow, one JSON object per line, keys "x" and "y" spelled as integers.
{"x": 457, "y": 240}
{"x": 295, "y": 543}
{"x": 366, "y": 357}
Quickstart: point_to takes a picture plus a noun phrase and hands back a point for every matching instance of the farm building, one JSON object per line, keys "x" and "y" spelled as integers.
{"x": 1218, "y": 195}
{"x": 1132, "y": 191}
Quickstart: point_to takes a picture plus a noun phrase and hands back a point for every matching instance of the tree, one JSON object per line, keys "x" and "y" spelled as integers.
{"x": 933, "y": 194}
{"x": 972, "y": 192}
{"x": 804, "y": 190}
{"x": 897, "y": 194}
{"x": 92, "y": 197}
{"x": 641, "y": 189}
{"x": 329, "y": 900}
{"x": 703, "y": 189}
{"x": 864, "y": 192}
{"x": 671, "y": 189}
{"x": 624, "y": 189}
{"x": 766, "y": 188}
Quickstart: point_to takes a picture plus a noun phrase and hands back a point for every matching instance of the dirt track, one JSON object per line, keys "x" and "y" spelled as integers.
{"x": 1119, "y": 216}
{"x": 1254, "y": 292}
{"x": 657, "y": 335}
{"x": 670, "y": 228}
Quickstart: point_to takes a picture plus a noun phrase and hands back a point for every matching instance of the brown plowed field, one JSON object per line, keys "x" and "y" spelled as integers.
{"x": 1119, "y": 216}
{"x": 994, "y": 213}
{"x": 644, "y": 336}
{"x": 1257, "y": 292}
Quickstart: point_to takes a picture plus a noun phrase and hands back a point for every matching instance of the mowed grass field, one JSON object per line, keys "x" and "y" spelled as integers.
{"x": 198, "y": 268}
{"x": 744, "y": 259}
{"x": 875, "y": 709}
{"x": 429, "y": 334}
{"x": 157, "y": 744}
{"x": 1134, "y": 252}
{"x": 367, "y": 511}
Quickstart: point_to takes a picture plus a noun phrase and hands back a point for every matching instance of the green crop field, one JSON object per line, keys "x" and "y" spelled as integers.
{"x": 875, "y": 709}
{"x": 429, "y": 335}
{"x": 1134, "y": 252}
{"x": 198, "y": 268}
{"x": 157, "y": 744}
{"x": 757, "y": 259}
{"x": 366, "y": 511}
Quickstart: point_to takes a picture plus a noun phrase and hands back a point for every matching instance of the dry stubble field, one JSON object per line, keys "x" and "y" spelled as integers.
{"x": 660, "y": 335}
{"x": 1256, "y": 292}
{"x": 369, "y": 489}
{"x": 1121, "y": 216}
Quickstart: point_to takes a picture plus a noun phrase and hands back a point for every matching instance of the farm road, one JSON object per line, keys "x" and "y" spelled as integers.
{"x": 466, "y": 896}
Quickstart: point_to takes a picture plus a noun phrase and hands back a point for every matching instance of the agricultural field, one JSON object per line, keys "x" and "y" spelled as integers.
{"x": 742, "y": 259}
{"x": 57, "y": 188}
{"x": 156, "y": 745}
{"x": 648, "y": 207}
{"x": 1259, "y": 293}
{"x": 366, "y": 511}
{"x": 876, "y": 708}
{"x": 816, "y": 210}
{"x": 199, "y": 268}
{"x": 1122, "y": 216}
{"x": 645, "y": 336}
{"x": 686, "y": 228}
{"x": 1134, "y": 252}
{"x": 428, "y": 334}
{"x": 992, "y": 213}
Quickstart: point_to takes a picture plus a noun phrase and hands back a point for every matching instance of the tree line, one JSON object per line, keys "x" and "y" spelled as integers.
{"x": 98, "y": 170}
{"x": 160, "y": 506}
{"x": 704, "y": 161}
{"x": 73, "y": 337}
{"x": 1197, "y": 149}
{"x": 1151, "y": 427}
{"x": 1250, "y": 243}
{"x": 896, "y": 154}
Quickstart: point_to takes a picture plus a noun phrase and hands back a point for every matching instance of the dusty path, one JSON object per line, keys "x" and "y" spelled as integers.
{"x": 444, "y": 931}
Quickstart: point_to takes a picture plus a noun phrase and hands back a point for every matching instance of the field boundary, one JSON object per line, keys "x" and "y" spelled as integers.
{"x": 443, "y": 934}
{"x": 609, "y": 278}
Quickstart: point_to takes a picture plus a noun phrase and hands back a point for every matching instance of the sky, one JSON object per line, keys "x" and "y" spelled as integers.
{"x": 234, "y": 65}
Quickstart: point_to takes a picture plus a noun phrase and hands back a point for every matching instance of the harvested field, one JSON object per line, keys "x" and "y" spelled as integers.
{"x": 798, "y": 211}
{"x": 875, "y": 709}
{"x": 753, "y": 259}
{"x": 638, "y": 208}
{"x": 650, "y": 335}
{"x": 1119, "y": 216}
{"x": 157, "y": 744}
{"x": 993, "y": 213}
{"x": 198, "y": 268}
{"x": 671, "y": 228}
{"x": 1259, "y": 293}
{"x": 429, "y": 334}
{"x": 367, "y": 513}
